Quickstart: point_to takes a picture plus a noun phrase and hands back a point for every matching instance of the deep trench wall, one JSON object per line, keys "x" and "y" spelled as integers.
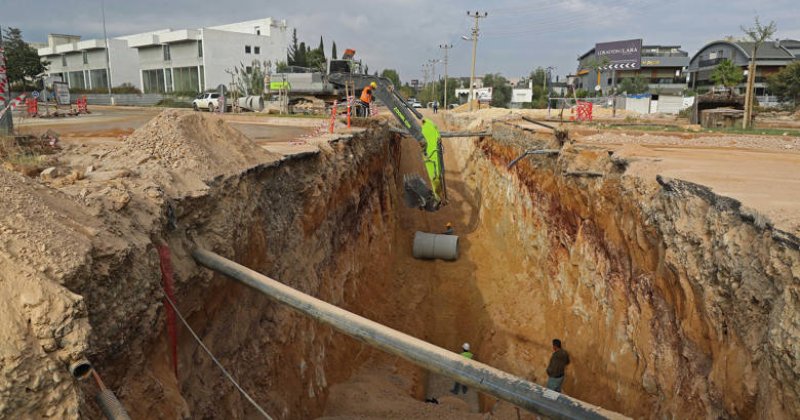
{"x": 321, "y": 223}
{"x": 673, "y": 302}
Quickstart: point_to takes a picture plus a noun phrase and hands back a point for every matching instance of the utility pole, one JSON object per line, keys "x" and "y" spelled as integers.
{"x": 477, "y": 15}
{"x": 108, "y": 54}
{"x": 434, "y": 79}
{"x": 445, "y": 47}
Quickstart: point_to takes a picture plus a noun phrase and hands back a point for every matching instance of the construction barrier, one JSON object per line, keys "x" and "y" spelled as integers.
{"x": 350, "y": 100}
{"x": 333, "y": 115}
{"x": 80, "y": 103}
{"x": 584, "y": 111}
{"x": 32, "y": 107}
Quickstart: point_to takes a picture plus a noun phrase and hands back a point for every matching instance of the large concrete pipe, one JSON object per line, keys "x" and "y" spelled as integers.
{"x": 482, "y": 377}
{"x": 252, "y": 103}
{"x": 432, "y": 245}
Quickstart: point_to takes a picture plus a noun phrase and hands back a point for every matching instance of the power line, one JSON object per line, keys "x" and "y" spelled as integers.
{"x": 214, "y": 359}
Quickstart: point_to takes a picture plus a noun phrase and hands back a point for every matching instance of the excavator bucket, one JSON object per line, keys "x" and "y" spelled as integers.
{"x": 417, "y": 193}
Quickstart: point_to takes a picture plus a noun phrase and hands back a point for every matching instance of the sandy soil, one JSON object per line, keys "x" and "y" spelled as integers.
{"x": 760, "y": 171}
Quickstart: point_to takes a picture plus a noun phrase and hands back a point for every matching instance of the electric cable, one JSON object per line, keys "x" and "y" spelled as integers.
{"x": 215, "y": 360}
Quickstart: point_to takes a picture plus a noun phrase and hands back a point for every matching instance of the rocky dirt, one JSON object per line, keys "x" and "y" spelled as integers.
{"x": 673, "y": 300}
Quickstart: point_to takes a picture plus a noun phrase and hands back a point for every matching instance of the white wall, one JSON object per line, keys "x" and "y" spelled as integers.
{"x": 226, "y": 50}
{"x": 124, "y": 63}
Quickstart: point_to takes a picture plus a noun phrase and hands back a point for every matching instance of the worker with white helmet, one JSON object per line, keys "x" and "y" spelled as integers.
{"x": 466, "y": 353}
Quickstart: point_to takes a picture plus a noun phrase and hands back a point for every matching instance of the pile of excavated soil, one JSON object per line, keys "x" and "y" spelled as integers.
{"x": 66, "y": 239}
{"x": 475, "y": 107}
{"x": 45, "y": 240}
{"x": 188, "y": 142}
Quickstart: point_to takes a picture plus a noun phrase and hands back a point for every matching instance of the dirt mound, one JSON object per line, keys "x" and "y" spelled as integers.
{"x": 44, "y": 243}
{"x": 465, "y": 107}
{"x": 189, "y": 142}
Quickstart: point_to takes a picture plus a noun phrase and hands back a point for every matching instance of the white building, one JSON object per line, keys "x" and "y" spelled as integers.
{"x": 186, "y": 60}
{"x": 82, "y": 64}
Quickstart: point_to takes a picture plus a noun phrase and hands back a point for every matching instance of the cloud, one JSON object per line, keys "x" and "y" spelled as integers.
{"x": 517, "y": 36}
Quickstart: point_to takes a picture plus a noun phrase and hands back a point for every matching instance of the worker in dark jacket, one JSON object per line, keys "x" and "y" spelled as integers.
{"x": 555, "y": 370}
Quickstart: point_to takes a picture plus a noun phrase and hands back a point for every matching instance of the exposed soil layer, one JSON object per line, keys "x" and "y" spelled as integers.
{"x": 672, "y": 301}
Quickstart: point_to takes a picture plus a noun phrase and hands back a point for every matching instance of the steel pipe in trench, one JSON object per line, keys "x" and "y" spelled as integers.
{"x": 507, "y": 387}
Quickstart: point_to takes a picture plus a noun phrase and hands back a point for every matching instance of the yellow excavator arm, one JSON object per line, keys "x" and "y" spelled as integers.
{"x": 417, "y": 192}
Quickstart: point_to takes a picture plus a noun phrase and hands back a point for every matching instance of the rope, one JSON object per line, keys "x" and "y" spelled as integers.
{"x": 214, "y": 359}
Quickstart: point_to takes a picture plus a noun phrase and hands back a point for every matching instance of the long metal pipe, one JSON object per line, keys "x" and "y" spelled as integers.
{"x": 485, "y": 378}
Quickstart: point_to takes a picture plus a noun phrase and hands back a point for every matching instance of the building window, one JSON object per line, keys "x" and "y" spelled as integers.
{"x": 63, "y": 60}
{"x": 258, "y": 31}
{"x": 247, "y": 49}
{"x": 199, "y": 48}
{"x": 257, "y": 50}
{"x": 167, "y": 54}
{"x": 153, "y": 81}
{"x": 248, "y": 69}
{"x": 85, "y": 57}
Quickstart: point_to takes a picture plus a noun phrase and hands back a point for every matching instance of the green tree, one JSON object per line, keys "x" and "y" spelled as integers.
{"x": 334, "y": 56}
{"x": 392, "y": 75}
{"x": 786, "y": 83}
{"x": 727, "y": 74}
{"x": 281, "y": 67}
{"x": 22, "y": 60}
{"x": 291, "y": 56}
{"x": 300, "y": 55}
{"x": 757, "y": 35}
{"x": 501, "y": 89}
{"x": 321, "y": 47}
{"x": 632, "y": 85}
{"x": 315, "y": 59}
{"x": 597, "y": 65}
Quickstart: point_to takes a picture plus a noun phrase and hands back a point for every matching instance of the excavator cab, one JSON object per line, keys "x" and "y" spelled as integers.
{"x": 417, "y": 193}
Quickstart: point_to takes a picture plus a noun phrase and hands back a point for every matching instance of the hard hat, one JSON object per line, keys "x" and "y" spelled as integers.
{"x": 373, "y": 84}
{"x": 449, "y": 224}
{"x": 465, "y": 346}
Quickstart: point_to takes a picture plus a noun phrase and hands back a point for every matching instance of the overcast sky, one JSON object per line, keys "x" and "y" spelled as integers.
{"x": 517, "y": 36}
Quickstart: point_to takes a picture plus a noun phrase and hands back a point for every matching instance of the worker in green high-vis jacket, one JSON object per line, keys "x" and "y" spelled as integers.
{"x": 466, "y": 354}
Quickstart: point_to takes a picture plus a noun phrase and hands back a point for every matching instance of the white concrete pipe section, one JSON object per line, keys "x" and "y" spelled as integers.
{"x": 429, "y": 246}
{"x": 253, "y": 103}
{"x": 477, "y": 375}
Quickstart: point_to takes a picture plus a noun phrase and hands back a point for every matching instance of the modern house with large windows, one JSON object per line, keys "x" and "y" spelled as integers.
{"x": 185, "y": 60}
{"x": 83, "y": 64}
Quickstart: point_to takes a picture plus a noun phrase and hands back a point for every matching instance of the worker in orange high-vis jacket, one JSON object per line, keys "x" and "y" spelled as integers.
{"x": 366, "y": 98}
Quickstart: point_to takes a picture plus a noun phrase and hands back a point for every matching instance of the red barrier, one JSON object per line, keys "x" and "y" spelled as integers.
{"x": 349, "y": 106}
{"x": 584, "y": 111}
{"x": 32, "y": 107}
{"x": 82, "y": 105}
{"x": 333, "y": 115}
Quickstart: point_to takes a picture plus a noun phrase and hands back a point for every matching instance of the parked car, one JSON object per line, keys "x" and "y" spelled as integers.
{"x": 209, "y": 101}
{"x": 416, "y": 105}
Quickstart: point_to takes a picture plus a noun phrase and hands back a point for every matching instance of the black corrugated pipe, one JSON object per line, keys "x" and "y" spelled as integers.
{"x": 485, "y": 378}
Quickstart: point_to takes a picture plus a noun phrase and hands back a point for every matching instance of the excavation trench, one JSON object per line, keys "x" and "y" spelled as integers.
{"x": 672, "y": 301}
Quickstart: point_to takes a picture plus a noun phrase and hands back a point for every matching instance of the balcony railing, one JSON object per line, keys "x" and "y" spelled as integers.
{"x": 712, "y": 62}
